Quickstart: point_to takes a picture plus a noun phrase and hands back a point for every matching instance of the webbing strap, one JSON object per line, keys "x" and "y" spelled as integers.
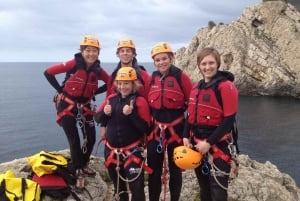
{"x": 72, "y": 104}
{"x": 126, "y": 152}
{"x": 160, "y": 126}
{"x": 217, "y": 152}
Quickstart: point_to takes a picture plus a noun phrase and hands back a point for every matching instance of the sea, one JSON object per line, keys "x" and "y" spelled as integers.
{"x": 268, "y": 126}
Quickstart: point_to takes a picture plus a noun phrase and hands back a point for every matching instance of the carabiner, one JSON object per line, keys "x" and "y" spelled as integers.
{"x": 205, "y": 168}
{"x": 159, "y": 148}
{"x": 79, "y": 123}
{"x": 232, "y": 149}
{"x": 84, "y": 147}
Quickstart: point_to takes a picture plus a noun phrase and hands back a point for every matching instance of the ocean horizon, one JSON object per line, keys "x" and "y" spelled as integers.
{"x": 268, "y": 126}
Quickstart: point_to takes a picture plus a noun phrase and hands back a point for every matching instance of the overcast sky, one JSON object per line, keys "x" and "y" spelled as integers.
{"x": 50, "y": 30}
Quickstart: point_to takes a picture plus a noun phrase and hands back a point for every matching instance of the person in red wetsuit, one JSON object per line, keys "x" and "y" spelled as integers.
{"x": 74, "y": 101}
{"x": 167, "y": 98}
{"x": 212, "y": 107}
{"x": 126, "y": 52}
{"x": 127, "y": 116}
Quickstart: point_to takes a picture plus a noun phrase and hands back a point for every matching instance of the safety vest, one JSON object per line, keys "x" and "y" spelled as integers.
{"x": 204, "y": 108}
{"x": 82, "y": 83}
{"x": 165, "y": 93}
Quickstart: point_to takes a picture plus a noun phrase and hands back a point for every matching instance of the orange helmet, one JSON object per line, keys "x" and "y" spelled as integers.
{"x": 126, "y": 42}
{"x": 186, "y": 158}
{"x": 90, "y": 40}
{"x": 126, "y": 74}
{"x": 160, "y": 48}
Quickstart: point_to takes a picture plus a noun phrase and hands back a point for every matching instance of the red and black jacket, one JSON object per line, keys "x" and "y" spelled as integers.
{"x": 81, "y": 83}
{"x": 123, "y": 130}
{"x": 207, "y": 113}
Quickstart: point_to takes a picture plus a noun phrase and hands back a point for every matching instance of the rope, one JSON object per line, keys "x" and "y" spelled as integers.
{"x": 214, "y": 170}
{"x": 81, "y": 121}
{"x": 164, "y": 177}
{"x": 161, "y": 148}
{"x": 118, "y": 153}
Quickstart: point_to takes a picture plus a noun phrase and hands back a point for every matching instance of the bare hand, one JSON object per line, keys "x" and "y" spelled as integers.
{"x": 127, "y": 109}
{"x": 203, "y": 147}
{"x": 107, "y": 109}
{"x": 186, "y": 142}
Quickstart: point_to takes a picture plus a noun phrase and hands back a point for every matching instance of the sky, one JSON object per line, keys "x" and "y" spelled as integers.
{"x": 51, "y": 30}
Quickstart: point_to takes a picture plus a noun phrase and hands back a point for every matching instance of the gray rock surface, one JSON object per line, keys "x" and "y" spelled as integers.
{"x": 255, "y": 182}
{"x": 261, "y": 47}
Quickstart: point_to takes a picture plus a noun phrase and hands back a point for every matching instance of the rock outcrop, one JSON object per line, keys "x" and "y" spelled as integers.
{"x": 261, "y": 47}
{"x": 256, "y": 181}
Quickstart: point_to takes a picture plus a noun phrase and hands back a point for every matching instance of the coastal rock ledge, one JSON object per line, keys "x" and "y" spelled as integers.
{"x": 255, "y": 182}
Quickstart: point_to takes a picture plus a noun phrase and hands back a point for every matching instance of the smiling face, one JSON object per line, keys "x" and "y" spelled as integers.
{"x": 126, "y": 55}
{"x": 162, "y": 62}
{"x": 125, "y": 87}
{"x": 90, "y": 54}
{"x": 208, "y": 67}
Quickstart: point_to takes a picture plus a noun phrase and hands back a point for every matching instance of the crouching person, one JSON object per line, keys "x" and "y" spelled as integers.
{"x": 127, "y": 117}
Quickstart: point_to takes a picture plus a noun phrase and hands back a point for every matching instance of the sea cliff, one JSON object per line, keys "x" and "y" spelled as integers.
{"x": 261, "y": 48}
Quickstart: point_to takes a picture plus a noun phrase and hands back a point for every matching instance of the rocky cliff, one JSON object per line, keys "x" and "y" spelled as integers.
{"x": 255, "y": 182}
{"x": 261, "y": 47}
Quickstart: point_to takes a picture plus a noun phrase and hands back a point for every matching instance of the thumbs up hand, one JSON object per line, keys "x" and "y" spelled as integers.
{"x": 127, "y": 109}
{"x": 107, "y": 109}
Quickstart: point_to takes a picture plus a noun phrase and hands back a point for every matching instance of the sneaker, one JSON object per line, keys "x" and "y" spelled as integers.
{"x": 89, "y": 171}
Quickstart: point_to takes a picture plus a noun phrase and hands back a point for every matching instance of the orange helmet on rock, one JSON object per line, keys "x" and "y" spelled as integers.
{"x": 126, "y": 74}
{"x": 186, "y": 158}
{"x": 161, "y": 47}
{"x": 90, "y": 40}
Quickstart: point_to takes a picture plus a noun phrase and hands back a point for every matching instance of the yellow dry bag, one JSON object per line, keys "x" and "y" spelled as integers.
{"x": 15, "y": 189}
{"x": 46, "y": 162}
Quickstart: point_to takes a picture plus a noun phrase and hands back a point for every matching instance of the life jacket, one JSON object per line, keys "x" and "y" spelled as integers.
{"x": 18, "y": 189}
{"x": 166, "y": 91}
{"x": 52, "y": 185}
{"x": 81, "y": 83}
{"x": 205, "y": 105}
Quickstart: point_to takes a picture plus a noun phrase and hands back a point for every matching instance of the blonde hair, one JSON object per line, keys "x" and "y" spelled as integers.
{"x": 136, "y": 85}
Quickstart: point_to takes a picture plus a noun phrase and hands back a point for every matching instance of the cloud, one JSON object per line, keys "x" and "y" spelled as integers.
{"x": 50, "y": 30}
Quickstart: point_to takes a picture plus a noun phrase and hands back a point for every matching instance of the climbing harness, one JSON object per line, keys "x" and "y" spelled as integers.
{"x": 159, "y": 134}
{"x": 231, "y": 160}
{"x": 160, "y": 128}
{"x": 83, "y": 109}
{"x": 125, "y": 156}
